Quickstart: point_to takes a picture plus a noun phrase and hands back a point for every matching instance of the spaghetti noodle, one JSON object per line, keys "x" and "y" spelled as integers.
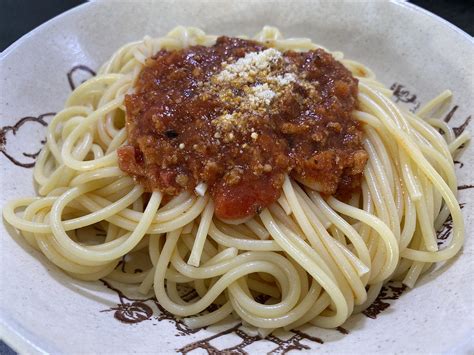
{"x": 313, "y": 258}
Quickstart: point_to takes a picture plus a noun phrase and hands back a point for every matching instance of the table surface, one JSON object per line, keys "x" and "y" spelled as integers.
{"x": 29, "y": 14}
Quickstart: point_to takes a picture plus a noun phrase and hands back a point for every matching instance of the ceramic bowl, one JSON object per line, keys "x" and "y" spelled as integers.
{"x": 412, "y": 51}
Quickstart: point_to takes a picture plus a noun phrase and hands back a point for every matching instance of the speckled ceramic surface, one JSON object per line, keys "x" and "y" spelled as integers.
{"x": 41, "y": 309}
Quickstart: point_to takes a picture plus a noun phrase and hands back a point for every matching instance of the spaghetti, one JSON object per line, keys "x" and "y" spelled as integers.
{"x": 313, "y": 258}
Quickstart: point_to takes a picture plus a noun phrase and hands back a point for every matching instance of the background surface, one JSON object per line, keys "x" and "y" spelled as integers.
{"x": 18, "y": 17}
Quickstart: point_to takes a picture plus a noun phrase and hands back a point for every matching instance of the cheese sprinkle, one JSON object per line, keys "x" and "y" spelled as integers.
{"x": 248, "y": 86}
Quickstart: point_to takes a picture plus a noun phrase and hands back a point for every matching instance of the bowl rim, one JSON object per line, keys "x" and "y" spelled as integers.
{"x": 403, "y": 3}
{"x": 19, "y": 341}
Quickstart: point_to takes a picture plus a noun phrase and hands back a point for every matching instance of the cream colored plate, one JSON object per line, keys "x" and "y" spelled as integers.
{"x": 41, "y": 309}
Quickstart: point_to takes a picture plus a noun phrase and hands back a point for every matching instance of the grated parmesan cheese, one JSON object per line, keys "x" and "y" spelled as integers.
{"x": 261, "y": 93}
{"x": 224, "y": 121}
{"x": 249, "y": 85}
{"x": 285, "y": 79}
{"x": 250, "y": 64}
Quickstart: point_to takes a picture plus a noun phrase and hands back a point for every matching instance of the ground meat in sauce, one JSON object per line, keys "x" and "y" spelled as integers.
{"x": 204, "y": 114}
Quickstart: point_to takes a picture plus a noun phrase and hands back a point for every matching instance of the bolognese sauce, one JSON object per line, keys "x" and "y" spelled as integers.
{"x": 238, "y": 116}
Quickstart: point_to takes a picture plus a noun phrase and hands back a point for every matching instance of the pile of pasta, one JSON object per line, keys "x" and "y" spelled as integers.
{"x": 305, "y": 259}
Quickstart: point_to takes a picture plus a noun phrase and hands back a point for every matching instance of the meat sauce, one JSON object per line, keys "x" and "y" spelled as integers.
{"x": 239, "y": 116}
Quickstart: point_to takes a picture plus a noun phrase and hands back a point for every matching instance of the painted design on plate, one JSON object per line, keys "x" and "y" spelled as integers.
{"x": 78, "y": 74}
{"x": 391, "y": 291}
{"x": 445, "y": 232}
{"x": 133, "y": 310}
{"x": 27, "y": 128}
{"x": 402, "y": 94}
{"x": 32, "y": 127}
{"x": 294, "y": 342}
